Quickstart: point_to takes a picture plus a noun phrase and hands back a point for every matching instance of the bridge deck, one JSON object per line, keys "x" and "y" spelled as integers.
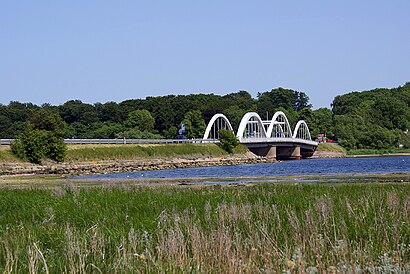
{"x": 277, "y": 140}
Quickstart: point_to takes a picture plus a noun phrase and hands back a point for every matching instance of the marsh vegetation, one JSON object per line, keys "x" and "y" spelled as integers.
{"x": 254, "y": 228}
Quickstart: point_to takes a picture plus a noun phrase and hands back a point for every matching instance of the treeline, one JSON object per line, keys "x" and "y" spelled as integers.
{"x": 368, "y": 119}
{"x": 153, "y": 117}
{"x": 373, "y": 119}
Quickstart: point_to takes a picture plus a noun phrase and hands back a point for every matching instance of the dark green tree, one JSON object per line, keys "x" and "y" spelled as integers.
{"x": 194, "y": 124}
{"x": 323, "y": 122}
{"x": 227, "y": 140}
{"x": 42, "y": 138}
{"x": 141, "y": 120}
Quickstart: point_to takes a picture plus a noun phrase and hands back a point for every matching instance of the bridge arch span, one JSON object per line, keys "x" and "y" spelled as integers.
{"x": 279, "y": 121}
{"x": 251, "y": 126}
{"x": 213, "y": 126}
{"x": 302, "y": 131}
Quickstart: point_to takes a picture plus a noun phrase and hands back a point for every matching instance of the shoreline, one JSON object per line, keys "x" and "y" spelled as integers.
{"x": 143, "y": 164}
{"x": 378, "y": 155}
{"x": 114, "y": 166}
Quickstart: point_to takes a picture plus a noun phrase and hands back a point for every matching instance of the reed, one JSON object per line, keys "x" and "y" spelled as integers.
{"x": 304, "y": 228}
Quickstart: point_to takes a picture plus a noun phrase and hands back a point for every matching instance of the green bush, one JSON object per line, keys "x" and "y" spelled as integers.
{"x": 34, "y": 145}
{"x": 42, "y": 138}
{"x": 227, "y": 140}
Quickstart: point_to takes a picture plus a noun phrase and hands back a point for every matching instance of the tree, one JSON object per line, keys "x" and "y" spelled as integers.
{"x": 141, "y": 120}
{"x": 194, "y": 124}
{"x": 42, "y": 138}
{"x": 227, "y": 140}
{"x": 307, "y": 115}
{"x": 170, "y": 133}
{"x": 108, "y": 112}
{"x": 48, "y": 121}
{"x": 282, "y": 98}
{"x": 138, "y": 134}
{"x": 323, "y": 122}
{"x": 107, "y": 130}
{"x": 234, "y": 114}
{"x": 76, "y": 111}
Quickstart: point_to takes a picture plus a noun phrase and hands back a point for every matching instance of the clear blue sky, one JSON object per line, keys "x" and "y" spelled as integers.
{"x": 99, "y": 51}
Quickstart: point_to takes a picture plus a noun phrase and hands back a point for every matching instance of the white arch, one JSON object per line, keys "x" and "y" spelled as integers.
{"x": 287, "y": 129}
{"x": 305, "y": 128}
{"x": 244, "y": 122}
{"x": 281, "y": 130}
{"x": 212, "y": 121}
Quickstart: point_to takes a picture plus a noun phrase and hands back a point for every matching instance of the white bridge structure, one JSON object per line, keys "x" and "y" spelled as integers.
{"x": 270, "y": 138}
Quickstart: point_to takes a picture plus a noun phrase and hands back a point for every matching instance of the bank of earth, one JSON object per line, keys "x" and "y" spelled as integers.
{"x": 84, "y": 159}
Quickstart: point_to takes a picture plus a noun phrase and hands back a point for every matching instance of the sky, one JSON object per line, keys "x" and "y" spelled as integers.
{"x": 101, "y": 51}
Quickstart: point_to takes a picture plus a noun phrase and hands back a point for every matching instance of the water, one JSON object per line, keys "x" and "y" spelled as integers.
{"x": 330, "y": 166}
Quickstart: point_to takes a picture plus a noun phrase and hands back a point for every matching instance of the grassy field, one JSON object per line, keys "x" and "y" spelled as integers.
{"x": 306, "y": 228}
{"x": 377, "y": 151}
{"x": 132, "y": 152}
{"x": 331, "y": 147}
{"x": 6, "y": 155}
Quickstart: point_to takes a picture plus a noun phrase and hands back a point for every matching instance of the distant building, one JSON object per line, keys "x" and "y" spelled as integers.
{"x": 321, "y": 138}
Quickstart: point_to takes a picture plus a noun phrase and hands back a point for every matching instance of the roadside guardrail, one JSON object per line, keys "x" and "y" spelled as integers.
{"x": 125, "y": 141}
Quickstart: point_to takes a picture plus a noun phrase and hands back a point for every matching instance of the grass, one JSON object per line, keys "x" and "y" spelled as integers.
{"x": 132, "y": 152}
{"x": 6, "y": 155}
{"x": 89, "y": 152}
{"x": 331, "y": 147}
{"x": 377, "y": 151}
{"x": 258, "y": 228}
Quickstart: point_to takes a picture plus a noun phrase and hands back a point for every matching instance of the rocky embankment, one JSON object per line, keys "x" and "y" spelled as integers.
{"x": 126, "y": 165}
{"x": 22, "y": 168}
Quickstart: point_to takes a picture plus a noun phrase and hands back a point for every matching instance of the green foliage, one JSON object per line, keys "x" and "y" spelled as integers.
{"x": 322, "y": 122}
{"x": 34, "y": 145}
{"x": 138, "y": 134}
{"x": 42, "y": 138}
{"x": 372, "y": 119}
{"x": 404, "y": 139}
{"x": 170, "y": 133}
{"x": 107, "y": 130}
{"x": 227, "y": 140}
{"x": 140, "y": 119}
{"x": 368, "y": 119}
{"x": 234, "y": 115}
{"x": 281, "y": 98}
{"x": 194, "y": 124}
{"x": 48, "y": 121}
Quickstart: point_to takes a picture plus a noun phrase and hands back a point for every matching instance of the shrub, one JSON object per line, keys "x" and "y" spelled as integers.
{"x": 34, "y": 145}
{"x": 42, "y": 138}
{"x": 227, "y": 140}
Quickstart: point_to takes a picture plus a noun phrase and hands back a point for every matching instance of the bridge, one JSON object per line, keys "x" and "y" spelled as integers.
{"x": 270, "y": 138}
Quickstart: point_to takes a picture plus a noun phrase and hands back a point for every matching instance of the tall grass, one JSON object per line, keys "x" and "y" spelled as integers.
{"x": 259, "y": 228}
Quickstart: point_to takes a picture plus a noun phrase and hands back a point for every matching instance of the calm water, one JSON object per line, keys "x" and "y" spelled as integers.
{"x": 372, "y": 165}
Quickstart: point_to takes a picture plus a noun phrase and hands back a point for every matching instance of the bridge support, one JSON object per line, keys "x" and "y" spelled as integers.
{"x": 296, "y": 153}
{"x": 271, "y": 154}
